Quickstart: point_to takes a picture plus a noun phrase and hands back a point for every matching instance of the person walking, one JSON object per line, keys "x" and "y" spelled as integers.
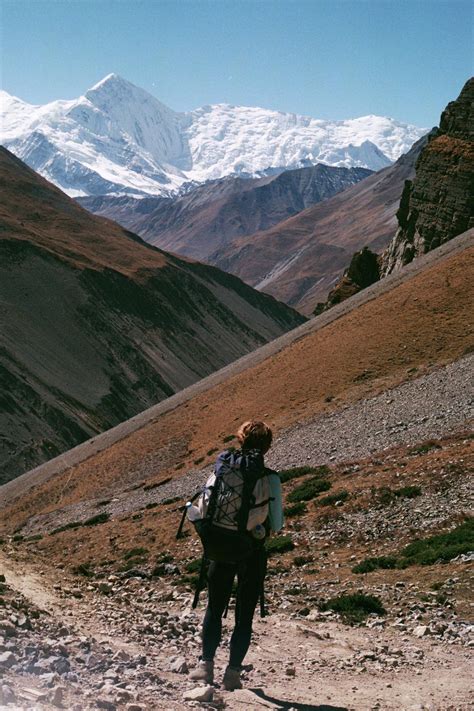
{"x": 263, "y": 516}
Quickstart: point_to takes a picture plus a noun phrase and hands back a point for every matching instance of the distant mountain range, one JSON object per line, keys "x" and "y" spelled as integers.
{"x": 97, "y": 325}
{"x": 211, "y": 216}
{"x": 300, "y": 259}
{"x": 118, "y": 139}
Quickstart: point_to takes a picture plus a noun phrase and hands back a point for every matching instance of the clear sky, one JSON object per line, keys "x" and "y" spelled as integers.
{"x": 330, "y": 59}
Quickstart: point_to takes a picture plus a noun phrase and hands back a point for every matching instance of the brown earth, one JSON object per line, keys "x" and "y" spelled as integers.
{"x": 422, "y": 323}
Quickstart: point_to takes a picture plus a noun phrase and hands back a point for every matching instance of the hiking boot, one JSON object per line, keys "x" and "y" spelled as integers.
{"x": 231, "y": 679}
{"x": 203, "y": 672}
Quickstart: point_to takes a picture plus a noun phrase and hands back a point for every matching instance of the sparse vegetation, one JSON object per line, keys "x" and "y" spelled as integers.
{"x": 96, "y": 520}
{"x": 385, "y": 562}
{"x": 173, "y": 500}
{"x": 308, "y": 490}
{"x": 354, "y": 608}
{"x": 296, "y": 472}
{"x": 425, "y": 447}
{"x": 384, "y": 496}
{"x": 295, "y": 509}
{"x": 426, "y": 551}
{"x": 93, "y": 521}
{"x": 300, "y": 560}
{"x": 134, "y": 552}
{"x": 83, "y": 569}
{"x": 194, "y": 566}
{"x": 408, "y": 492}
{"x": 279, "y": 545}
{"x": 156, "y": 484}
{"x": 333, "y": 498}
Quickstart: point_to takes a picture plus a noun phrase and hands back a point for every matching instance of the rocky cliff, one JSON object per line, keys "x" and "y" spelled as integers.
{"x": 438, "y": 204}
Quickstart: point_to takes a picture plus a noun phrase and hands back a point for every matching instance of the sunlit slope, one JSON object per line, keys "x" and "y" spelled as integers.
{"x": 422, "y": 322}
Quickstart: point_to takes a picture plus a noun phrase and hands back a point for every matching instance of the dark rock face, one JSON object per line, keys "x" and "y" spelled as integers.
{"x": 363, "y": 271}
{"x": 438, "y": 204}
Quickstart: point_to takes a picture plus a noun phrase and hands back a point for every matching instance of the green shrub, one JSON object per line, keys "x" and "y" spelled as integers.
{"x": 194, "y": 566}
{"x": 173, "y": 500}
{"x": 96, "y": 520}
{"x": 425, "y": 447}
{"x": 278, "y": 545}
{"x": 212, "y": 451}
{"x": 228, "y": 438}
{"x": 295, "y": 509}
{"x": 152, "y": 505}
{"x": 296, "y": 472}
{"x": 134, "y": 552}
{"x": 300, "y": 560}
{"x": 199, "y": 460}
{"x": 408, "y": 492}
{"x": 66, "y": 527}
{"x": 99, "y": 504}
{"x": 426, "y": 551}
{"x": 308, "y": 490}
{"x": 83, "y": 569}
{"x": 333, "y": 498}
{"x": 17, "y": 538}
{"x": 369, "y": 564}
{"x": 443, "y": 547}
{"x": 36, "y": 537}
{"x": 156, "y": 484}
{"x": 354, "y": 608}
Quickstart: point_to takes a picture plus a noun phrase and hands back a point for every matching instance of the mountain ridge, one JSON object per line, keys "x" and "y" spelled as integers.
{"x": 97, "y": 324}
{"x": 118, "y": 138}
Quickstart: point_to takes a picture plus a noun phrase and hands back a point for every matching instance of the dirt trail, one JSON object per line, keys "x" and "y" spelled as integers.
{"x": 298, "y": 663}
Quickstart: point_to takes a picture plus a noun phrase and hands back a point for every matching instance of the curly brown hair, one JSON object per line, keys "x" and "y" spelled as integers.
{"x": 255, "y": 434}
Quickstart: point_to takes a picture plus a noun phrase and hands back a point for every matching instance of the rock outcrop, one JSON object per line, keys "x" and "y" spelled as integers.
{"x": 363, "y": 271}
{"x": 438, "y": 204}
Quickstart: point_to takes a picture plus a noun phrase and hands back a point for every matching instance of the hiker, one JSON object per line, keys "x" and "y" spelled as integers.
{"x": 242, "y": 528}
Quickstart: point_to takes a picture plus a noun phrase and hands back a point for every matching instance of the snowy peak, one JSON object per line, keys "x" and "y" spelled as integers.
{"x": 120, "y": 139}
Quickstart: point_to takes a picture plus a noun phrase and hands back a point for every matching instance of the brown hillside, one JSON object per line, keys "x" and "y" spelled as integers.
{"x": 420, "y": 324}
{"x": 299, "y": 260}
{"x": 96, "y": 326}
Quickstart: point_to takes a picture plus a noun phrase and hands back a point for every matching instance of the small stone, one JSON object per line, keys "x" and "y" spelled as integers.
{"x": 179, "y": 665}
{"x": 420, "y": 631}
{"x": 6, "y": 695}
{"x": 134, "y": 707}
{"x": 200, "y": 693}
{"x": 7, "y": 660}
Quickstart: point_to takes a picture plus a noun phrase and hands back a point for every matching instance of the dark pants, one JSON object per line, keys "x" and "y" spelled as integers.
{"x": 250, "y": 577}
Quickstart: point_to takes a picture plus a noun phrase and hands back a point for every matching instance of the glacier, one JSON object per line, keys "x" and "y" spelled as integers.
{"x": 119, "y": 139}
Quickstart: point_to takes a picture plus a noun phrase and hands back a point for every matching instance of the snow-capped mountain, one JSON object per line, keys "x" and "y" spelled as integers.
{"x": 117, "y": 138}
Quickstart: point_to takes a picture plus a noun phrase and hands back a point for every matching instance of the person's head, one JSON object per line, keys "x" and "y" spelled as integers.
{"x": 255, "y": 434}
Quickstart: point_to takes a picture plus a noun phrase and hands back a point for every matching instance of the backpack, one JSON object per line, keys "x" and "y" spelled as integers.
{"x": 233, "y": 503}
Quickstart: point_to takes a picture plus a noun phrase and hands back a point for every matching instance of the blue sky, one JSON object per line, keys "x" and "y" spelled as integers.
{"x": 328, "y": 59}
